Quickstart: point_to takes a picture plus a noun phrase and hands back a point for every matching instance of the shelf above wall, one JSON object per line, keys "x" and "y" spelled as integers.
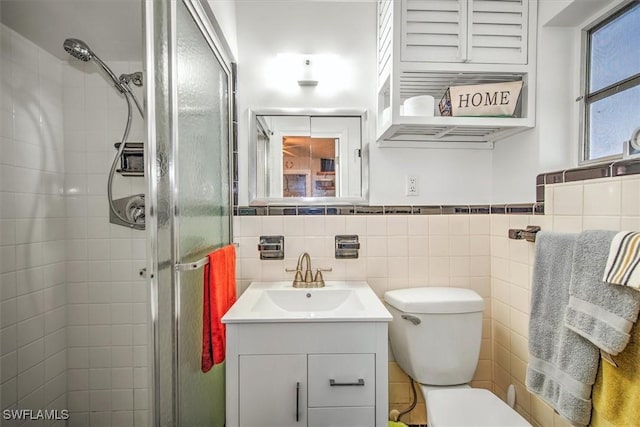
{"x": 413, "y": 61}
{"x": 395, "y": 130}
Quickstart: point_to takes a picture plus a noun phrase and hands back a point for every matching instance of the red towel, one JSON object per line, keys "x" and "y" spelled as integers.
{"x": 219, "y": 296}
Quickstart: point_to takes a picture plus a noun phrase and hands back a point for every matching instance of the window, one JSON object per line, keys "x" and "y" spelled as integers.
{"x": 612, "y": 86}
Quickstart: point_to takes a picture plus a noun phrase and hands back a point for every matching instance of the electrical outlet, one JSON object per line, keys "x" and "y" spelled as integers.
{"x": 412, "y": 185}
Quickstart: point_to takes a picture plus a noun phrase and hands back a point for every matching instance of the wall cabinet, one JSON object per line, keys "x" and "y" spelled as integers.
{"x": 476, "y": 31}
{"x": 425, "y": 46}
{"x": 307, "y": 374}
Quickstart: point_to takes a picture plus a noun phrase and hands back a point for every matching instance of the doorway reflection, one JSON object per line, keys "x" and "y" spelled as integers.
{"x": 310, "y": 166}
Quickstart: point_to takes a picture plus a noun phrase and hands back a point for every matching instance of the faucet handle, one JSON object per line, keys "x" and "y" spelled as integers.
{"x": 319, "y": 277}
{"x": 297, "y": 279}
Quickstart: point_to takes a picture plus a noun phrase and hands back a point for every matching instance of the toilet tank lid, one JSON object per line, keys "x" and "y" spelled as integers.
{"x": 435, "y": 300}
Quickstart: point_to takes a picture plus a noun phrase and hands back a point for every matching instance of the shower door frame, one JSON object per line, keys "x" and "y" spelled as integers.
{"x": 165, "y": 371}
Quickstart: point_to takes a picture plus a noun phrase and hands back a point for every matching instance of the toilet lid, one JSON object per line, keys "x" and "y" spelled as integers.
{"x": 471, "y": 407}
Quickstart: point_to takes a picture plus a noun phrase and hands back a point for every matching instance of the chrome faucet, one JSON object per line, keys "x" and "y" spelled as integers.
{"x": 308, "y": 281}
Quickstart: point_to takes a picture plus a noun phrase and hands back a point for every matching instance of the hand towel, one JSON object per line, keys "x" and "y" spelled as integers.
{"x": 601, "y": 313}
{"x": 617, "y": 390}
{"x": 624, "y": 257}
{"x": 219, "y": 294}
{"x": 562, "y": 364}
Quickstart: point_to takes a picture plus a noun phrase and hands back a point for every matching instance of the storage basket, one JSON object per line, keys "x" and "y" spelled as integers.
{"x": 489, "y": 100}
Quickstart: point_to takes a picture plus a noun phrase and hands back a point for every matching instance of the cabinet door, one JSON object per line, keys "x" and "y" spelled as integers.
{"x": 498, "y": 31}
{"x": 478, "y": 31}
{"x": 273, "y": 390}
{"x": 434, "y": 30}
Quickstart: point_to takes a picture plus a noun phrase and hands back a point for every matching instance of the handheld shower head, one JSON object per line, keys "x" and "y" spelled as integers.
{"x": 78, "y": 49}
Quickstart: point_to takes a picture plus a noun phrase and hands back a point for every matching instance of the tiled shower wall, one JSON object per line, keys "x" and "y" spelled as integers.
{"x": 73, "y": 314}
{"x": 107, "y": 300}
{"x": 397, "y": 251}
{"x": 609, "y": 203}
{"x": 32, "y": 228}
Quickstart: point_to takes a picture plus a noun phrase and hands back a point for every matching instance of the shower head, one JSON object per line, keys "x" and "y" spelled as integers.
{"x": 80, "y": 50}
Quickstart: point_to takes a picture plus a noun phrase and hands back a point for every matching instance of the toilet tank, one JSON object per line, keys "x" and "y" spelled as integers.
{"x": 436, "y": 333}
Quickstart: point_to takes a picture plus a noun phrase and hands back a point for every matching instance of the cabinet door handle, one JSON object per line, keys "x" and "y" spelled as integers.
{"x": 333, "y": 383}
{"x": 297, "y": 401}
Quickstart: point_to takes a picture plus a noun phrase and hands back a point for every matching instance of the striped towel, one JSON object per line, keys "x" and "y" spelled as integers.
{"x": 624, "y": 257}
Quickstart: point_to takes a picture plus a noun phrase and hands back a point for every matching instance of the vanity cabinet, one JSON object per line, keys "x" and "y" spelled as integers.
{"x": 328, "y": 374}
{"x": 426, "y": 46}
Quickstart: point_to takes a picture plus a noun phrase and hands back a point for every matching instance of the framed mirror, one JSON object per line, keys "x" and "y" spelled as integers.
{"x": 307, "y": 157}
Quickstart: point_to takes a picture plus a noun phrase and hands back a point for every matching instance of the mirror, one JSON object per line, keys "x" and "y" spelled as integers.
{"x": 308, "y": 157}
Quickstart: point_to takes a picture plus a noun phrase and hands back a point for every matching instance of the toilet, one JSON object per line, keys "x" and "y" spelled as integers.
{"x": 435, "y": 337}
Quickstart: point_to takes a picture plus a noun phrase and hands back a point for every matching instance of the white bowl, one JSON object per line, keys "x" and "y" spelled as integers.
{"x": 422, "y": 105}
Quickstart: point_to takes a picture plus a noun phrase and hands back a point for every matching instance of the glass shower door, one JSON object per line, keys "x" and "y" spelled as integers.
{"x": 192, "y": 215}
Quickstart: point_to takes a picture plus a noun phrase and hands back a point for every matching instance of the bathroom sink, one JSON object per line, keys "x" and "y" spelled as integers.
{"x": 320, "y": 299}
{"x": 281, "y": 302}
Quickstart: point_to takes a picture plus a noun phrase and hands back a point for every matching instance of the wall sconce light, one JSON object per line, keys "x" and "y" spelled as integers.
{"x": 307, "y": 74}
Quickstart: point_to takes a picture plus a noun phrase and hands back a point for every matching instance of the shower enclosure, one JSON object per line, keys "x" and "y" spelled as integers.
{"x": 189, "y": 200}
{"x": 84, "y": 334}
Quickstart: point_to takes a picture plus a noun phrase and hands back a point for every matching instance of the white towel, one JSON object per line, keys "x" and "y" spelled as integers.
{"x": 624, "y": 257}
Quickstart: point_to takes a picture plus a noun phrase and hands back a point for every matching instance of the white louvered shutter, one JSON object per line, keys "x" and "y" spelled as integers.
{"x": 385, "y": 34}
{"x": 498, "y": 31}
{"x": 434, "y": 30}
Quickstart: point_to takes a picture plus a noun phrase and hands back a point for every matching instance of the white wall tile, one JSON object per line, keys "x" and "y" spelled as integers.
{"x": 376, "y": 225}
{"x": 602, "y": 197}
{"x": 601, "y": 223}
{"x": 354, "y": 225}
{"x": 630, "y": 197}
{"x": 568, "y": 199}
{"x": 438, "y": 225}
{"x": 459, "y": 225}
{"x": 567, "y": 224}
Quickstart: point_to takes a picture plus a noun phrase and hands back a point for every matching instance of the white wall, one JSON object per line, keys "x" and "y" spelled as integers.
{"x": 347, "y": 31}
{"x": 225, "y": 13}
{"x": 552, "y": 144}
{"x": 341, "y": 33}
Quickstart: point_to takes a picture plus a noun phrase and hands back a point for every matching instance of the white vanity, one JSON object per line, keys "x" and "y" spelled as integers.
{"x": 313, "y": 357}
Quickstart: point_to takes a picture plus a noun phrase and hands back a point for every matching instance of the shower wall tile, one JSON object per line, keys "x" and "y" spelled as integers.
{"x": 32, "y": 238}
{"x": 108, "y": 301}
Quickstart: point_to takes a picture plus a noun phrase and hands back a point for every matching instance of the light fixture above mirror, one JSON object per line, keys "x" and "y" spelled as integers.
{"x": 308, "y": 157}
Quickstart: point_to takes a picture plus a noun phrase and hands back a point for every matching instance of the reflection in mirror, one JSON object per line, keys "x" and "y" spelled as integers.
{"x": 306, "y": 158}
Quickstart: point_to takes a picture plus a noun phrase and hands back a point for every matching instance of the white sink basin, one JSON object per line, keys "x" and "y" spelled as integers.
{"x": 321, "y": 299}
{"x": 281, "y": 302}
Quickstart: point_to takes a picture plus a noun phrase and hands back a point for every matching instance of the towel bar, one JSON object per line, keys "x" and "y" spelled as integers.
{"x": 529, "y": 234}
{"x": 190, "y": 266}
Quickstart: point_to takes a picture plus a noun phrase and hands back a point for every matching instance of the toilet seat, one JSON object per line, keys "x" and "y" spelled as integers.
{"x": 470, "y": 407}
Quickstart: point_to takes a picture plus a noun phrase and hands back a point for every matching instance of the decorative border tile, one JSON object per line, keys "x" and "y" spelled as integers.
{"x": 585, "y": 173}
{"x": 512, "y": 209}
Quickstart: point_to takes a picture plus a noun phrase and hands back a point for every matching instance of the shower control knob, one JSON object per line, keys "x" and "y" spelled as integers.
{"x": 138, "y": 214}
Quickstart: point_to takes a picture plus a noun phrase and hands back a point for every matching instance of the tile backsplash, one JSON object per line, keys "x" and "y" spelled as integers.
{"x": 455, "y": 249}
{"x": 396, "y": 251}
{"x": 611, "y": 203}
